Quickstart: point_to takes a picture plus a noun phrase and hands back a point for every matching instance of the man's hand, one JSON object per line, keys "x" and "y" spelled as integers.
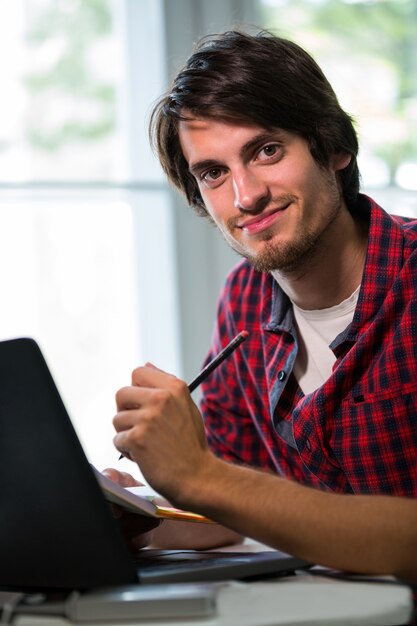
{"x": 159, "y": 426}
{"x": 136, "y": 529}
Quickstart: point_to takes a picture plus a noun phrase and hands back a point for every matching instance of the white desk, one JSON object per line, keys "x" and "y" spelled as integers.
{"x": 303, "y": 600}
{"x": 307, "y": 599}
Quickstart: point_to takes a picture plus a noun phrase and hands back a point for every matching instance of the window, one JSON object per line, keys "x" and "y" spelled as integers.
{"x": 62, "y": 79}
{"x": 368, "y": 50}
{"x": 67, "y": 219}
{"x": 67, "y": 281}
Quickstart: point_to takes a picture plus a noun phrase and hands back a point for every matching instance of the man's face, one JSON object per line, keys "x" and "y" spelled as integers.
{"x": 263, "y": 189}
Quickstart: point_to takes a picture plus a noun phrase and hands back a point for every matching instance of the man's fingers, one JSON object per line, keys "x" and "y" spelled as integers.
{"x": 152, "y": 366}
{"x": 124, "y": 420}
{"x": 131, "y": 398}
{"x": 151, "y": 376}
{"x": 128, "y": 398}
{"x": 121, "y": 478}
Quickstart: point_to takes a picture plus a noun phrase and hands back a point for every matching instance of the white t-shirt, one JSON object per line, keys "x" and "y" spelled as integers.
{"x": 316, "y": 331}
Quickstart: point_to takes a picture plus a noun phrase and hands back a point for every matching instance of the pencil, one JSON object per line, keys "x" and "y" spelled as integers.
{"x": 223, "y": 354}
{"x": 227, "y": 351}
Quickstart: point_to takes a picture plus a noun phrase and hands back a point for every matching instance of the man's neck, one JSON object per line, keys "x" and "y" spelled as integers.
{"x": 333, "y": 273}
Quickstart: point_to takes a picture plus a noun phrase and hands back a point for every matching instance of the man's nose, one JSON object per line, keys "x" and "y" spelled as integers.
{"x": 250, "y": 192}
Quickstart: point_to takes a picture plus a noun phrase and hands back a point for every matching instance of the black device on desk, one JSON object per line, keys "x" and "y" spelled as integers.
{"x": 56, "y": 528}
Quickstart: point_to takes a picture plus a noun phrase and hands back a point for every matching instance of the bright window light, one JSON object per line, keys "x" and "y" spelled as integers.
{"x": 67, "y": 281}
{"x": 66, "y": 235}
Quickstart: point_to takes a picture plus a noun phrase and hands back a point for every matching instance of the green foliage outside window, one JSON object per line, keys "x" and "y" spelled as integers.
{"x": 363, "y": 34}
{"x": 71, "y": 28}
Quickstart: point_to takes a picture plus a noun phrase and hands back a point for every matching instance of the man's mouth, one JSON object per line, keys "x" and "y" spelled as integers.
{"x": 261, "y": 222}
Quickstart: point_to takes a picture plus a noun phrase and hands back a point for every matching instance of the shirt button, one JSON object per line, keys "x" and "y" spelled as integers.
{"x": 282, "y": 375}
{"x": 308, "y": 445}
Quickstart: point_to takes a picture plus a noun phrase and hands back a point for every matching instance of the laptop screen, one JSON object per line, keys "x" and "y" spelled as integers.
{"x": 56, "y": 529}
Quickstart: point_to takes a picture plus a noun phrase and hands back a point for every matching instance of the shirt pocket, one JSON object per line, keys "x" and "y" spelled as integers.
{"x": 375, "y": 440}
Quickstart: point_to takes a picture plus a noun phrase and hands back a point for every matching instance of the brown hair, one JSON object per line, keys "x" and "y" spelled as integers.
{"x": 261, "y": 79}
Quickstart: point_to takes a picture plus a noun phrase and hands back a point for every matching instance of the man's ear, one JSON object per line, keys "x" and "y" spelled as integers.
{"x": 340, "y": 160}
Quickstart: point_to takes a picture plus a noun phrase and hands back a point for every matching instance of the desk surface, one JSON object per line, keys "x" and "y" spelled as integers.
{"x": 304, "y": 601}
{"x": 307, "y": 599}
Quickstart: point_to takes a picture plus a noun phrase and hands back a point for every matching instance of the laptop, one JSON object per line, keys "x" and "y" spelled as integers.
{"x": 56, "y": 528}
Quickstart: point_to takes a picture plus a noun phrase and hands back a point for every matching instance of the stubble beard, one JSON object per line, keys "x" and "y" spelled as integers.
{"x": 294, "y": 256}
{"x": 290, "y": 257}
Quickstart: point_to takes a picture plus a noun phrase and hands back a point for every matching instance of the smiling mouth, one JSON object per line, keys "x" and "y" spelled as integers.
{"x": 262, "y": 222}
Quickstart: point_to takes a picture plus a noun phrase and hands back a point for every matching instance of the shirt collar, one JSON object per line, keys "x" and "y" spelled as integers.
{"x": 382, "y": 264}
{"x": 282, "y": 317}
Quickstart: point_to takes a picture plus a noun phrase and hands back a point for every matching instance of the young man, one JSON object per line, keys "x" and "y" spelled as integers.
{"x": 324, "y": 390}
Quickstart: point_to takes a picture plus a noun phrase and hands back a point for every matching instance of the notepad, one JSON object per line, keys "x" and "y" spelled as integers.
{"x": 141, "y": 500}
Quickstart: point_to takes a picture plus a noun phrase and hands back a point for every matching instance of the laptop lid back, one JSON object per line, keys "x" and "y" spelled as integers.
{"x": 56, "y": 529}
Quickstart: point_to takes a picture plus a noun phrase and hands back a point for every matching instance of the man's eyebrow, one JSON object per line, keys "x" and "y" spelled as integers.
{"x": 205, "y": 164}
{"x": 254, "y": 142}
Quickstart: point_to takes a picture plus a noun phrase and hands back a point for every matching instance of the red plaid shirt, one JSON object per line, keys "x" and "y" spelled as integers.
{"x": 357, "y": 432}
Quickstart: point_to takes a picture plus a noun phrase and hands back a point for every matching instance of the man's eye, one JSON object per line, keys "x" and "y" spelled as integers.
{"x": 269, "y": 151}
{"x": 212, "y": 175}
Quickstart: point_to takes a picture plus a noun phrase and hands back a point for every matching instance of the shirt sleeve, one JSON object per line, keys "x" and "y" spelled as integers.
{"x": 229, "y": 400}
